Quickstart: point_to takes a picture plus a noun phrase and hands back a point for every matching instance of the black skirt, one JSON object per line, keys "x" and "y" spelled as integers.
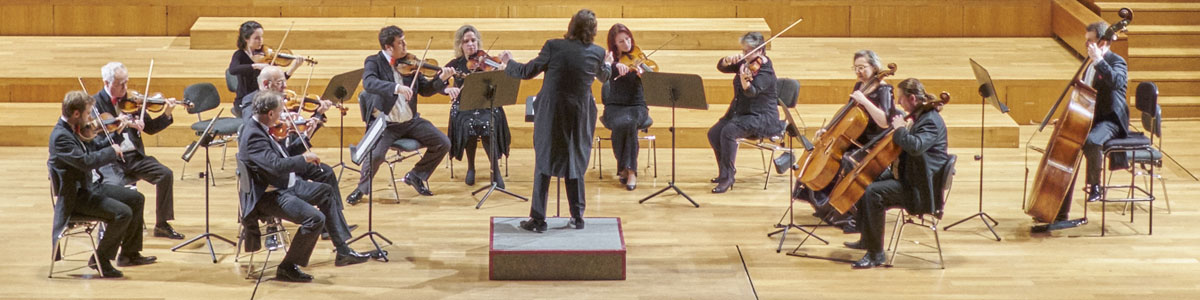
{"x": 472, "y": 124}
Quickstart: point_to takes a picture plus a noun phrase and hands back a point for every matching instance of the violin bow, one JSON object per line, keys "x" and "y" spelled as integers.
{"x": 417, "y": 75}
{"x": 664, "y": 44}
{"x": 764, "y": 44}
{"x": 146, "y": 95}
{"x": 280, "y": 48}
{"x": 96, "y": 113}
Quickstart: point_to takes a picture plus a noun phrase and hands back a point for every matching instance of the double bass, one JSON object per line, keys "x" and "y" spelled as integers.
{"x": 823, "y": 164}
{"x": 870, "y": 162}
{"x": 1060, "y": 162}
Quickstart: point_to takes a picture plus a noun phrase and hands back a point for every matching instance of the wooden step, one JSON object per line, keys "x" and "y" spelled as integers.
{"x": 1164, "y": 59}
{"x": 962, "y": 120}
{"x": 513, "y": 34}
{"x": 1170, "y": 83}
{"x": 1154, "y": 13}
{"x": 1164, "y": 36}
{"x": 1180, "y": 107}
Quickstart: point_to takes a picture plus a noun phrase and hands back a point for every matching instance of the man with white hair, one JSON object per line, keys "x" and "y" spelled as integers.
{"x": 137, "y": 165}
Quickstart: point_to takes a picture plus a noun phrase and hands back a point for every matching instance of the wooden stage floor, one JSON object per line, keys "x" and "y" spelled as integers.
{"x": 675, "y": 251}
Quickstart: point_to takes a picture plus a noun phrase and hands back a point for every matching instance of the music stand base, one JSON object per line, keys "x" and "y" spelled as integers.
{"x": 494, "y": 188}
{"x": 983, "y": 216}
{"x": 207, "y": 236}
{"x": 670, "y": 186}
{"x": 378, "y": 253}
{"x": 343, "y": 167}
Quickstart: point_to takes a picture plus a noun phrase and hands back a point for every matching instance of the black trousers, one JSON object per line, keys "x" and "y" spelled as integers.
{"x": 121, "y": 210}
{"x": 436, "y": 144}
{"x": 879, "y": 196}
{"x": 295, "y": 205}
{"x": 1093, "y": 151}
{"x": 723, "y": 139}
{"x": 148, "y": 168}
{"x": 576, "y": 196}
{"x": 624, "y": 121}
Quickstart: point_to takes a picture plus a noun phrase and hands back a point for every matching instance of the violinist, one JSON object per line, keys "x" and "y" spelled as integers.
{"x": 279, "y": 189}
{"x": 137, "y": 165}
{"x": 753, "y": 111}
{"x": 72, "y": 161}
{"x": 466, "y": 128}
{"x": 244, "y": 66}
{"x": 878, "y": 105}
{"x": 1108, "y": 74}
{"x": 624, "y": 104}
{"x": 914, "y": 183}
{"x": 389, "y": 93}
{"x": 272, "y": 78}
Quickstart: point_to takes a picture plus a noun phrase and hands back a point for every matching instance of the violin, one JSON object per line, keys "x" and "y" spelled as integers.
{"x": 638, "y": 60}
{"x": 480, "y": 61}
{"x": 308, "y": 103}
{"x": 283, "y": 128}
{"x": 154, "y": 103}
{"x": 281, "y": 58}
{"x": 410, "y": 64}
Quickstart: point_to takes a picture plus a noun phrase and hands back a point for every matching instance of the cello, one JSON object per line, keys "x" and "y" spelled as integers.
{"x": 1060, "y": 163}
{"x": 870, "y": 162}
{"x": 823, "y": 164}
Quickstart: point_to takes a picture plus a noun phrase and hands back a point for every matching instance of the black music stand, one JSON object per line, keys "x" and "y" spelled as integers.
{"x": 987, "y": 90}
{"x": 371, "y": 234}
{"x": 489, "y": 90}
{"x": 340, "y": 87}
{"x": 674, "y": 91}
{"x": 205, "y": 138}
{"x": 793, "y": 133}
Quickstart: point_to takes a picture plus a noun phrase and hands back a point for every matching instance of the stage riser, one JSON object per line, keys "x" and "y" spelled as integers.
{"x": 1178, "y": 40}
{"x": 596, "y": 252}
{"x": 1165, "y": 63}
{"x": 1157, "y": 17}
{"x": 557, "y": 267}
{"x": 1176, "y": 88}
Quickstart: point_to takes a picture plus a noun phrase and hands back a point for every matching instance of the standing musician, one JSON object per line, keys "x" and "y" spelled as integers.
{"x": 388, "y": 92}
{"x": 243, "y": 65}
{"x": 73, "y": 159}
{"x": 1108, "y": 74}
{"x": 137, "y": 164}
{"x": 466, "y": 128}
{"x": 753, "y": 111}
{"x": 279, "y": 190}
{"x": 914, "y": 184}
{"x": 566, "y": 114}
{"x": 624, "y": 105}
{"x": 879, "y": 107}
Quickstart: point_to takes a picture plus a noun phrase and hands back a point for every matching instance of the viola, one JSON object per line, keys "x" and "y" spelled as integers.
{"x": 480, "y": 61}
{"x": 281, "y": 58}
{"x": 410, "y": 64}
{"x": 309, "y": 103}
{"x": 154, "y": 103}
{"x": 638, "y": 60}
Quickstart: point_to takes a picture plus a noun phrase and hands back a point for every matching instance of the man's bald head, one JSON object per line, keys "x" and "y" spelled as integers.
{"x": 272, "y": 78}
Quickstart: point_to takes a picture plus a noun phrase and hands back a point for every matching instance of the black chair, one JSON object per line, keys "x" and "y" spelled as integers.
{"x": 405, "y": 148}
{"x": 76, "y": 225}
{"x": 204, "y": 97}
{"x": 598, "y": 148}
{"x": 1147, "y": 104}
{"x": 274, "y": 225}
{"x": 789, "y": 90}
{"x": 927, "y": 219}
{"x": 1134, "y": 145}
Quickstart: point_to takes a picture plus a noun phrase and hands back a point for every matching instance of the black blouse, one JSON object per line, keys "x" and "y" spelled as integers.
{"x": 882, "y": 98}
{"x": 624, "y": 90}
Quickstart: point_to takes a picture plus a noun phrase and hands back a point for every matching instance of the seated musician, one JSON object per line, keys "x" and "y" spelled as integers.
{"x": 624, "y": 105}
{"x": 1108, "y": 74}
{"x": 393, "y": 95}
{"x": 245, "y": 68}
{"x": 913, "y": 182}
{"x": 137, "y": 164}
{"x": 467, "y": 128}
{"x": 753, "y": 111}
{"x": 879, "y": 108}
{"x": 279, "y": 190}
{"x": 73, "y": 159}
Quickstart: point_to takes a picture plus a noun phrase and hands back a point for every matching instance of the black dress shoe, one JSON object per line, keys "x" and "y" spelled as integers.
{"x": 106, "y": 269}
{"x": 1094, "y": 193}
{"x": 354, "y": 198}
{"x": 534, "y": 225}
{"x": 417, "y": 184}
{"x": 577, "y": 223}
{"x": 291, "y": 273}
{"x": 855, "y": 245}
{"x": 1058, "y": 225}
{"x": 631, "y": 182}
{"x": 470, "y": 178}
{"x": 166, "y": 231}
{"x": 350, "y": 258}
{"x": 135, "y": 259}
{"x": 723, "y": 187}
{"x": 868, "y": 261}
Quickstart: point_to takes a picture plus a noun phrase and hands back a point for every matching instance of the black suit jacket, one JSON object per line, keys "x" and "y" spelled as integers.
{"x": 754, "y": 108}
{"x": 72, "y": 161}
{"x": 924, "y": 153}
{"x": 265, "y": 165}
{"x": 1110, "y": 81}
{"x": 110, "y": 173}
{"x": 379, "y": 85}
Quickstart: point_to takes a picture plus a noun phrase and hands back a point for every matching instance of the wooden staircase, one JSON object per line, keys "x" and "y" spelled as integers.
{"x": 1164, "y": 47}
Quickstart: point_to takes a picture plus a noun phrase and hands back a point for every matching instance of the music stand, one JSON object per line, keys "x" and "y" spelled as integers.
{"x": 987, "y": 90}
{"x": 793, "y": 133}
{"x": 358, "y": 157}
{"x": 340, "y": 87}
{"x": 674, "y": 91}
{"x": 206, "y": 137}
{"x": 489, "y": 90}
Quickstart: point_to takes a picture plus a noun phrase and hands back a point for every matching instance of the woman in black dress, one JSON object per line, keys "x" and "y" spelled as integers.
{"x": 753, "y": 111}
{"x": 242, "y": 65}
{"x": 566, "y": 113}
{"x": 624, "y": 105}
{"x": 468, "y": 127}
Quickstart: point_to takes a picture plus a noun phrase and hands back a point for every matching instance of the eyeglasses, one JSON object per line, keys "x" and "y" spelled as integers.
{"x": 858, "y": 68}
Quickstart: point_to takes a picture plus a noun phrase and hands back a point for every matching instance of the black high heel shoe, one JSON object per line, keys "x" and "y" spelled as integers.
{"x": 723, "y": 187}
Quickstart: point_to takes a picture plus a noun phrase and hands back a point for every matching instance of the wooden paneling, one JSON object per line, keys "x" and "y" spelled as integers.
{"x": 181, "y": 18}
{"x": 26, "y": 20}
{"x": 998, "y": 19}
{"x": 608, "y": 10}
{"x": 337, "y": 11}
{"x": 819, "y": 20}
{"x": 1070, "y": 20}
{"x": 906, "y": 20}
{"x": 697, "y": 10}
{"x": 110, "y": 20}
{"x": 445, "y": 11}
